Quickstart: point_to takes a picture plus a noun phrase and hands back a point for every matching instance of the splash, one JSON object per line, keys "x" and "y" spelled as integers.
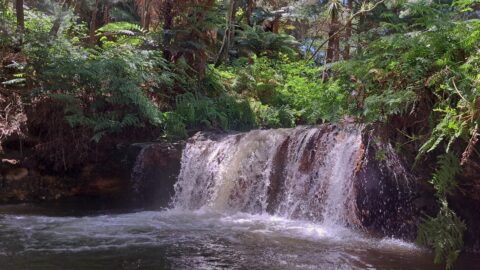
{"x": 304, "y": 173}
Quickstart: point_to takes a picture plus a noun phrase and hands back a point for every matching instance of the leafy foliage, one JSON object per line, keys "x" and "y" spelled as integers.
{"x": 223, "y": 113}
{"x": 106, "y": 91}
{"x": 7, "y": 20}
{"x": 443, "y": 179}
{"x": 295, "y": 87}
{"x": 120, "y": 33}
{"x": 256, "y": 40}
{"x": 117, "y": 66}
{"x": 444, "y": 233}
{"x": 423, "y": 70}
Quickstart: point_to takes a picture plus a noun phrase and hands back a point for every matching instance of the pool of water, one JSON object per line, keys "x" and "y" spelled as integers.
{"x": 46, "y": 237}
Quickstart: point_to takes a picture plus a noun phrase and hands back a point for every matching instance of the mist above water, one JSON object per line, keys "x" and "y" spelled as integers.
{"x": 302, "y": 173}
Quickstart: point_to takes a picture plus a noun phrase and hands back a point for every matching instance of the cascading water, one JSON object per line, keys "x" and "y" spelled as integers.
{"x": 266, "y": 199}
{"x": 304, "y": 173}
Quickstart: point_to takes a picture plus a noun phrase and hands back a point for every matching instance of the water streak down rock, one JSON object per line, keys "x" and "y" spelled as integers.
{"x": 335, "y": 175}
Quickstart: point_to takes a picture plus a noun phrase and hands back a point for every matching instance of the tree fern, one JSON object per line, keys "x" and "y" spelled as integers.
{"x": 258, "y": 41}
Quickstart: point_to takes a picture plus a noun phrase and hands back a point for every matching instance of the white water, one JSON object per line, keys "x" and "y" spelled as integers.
{"x": 239, "y": 173}
{"x": 77, "y": 234}
{"x": 267, "y": 199}
{"x": 201, "y": 239}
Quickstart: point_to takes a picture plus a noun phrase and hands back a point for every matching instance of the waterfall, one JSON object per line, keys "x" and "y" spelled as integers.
{"x": 302, "y": 173}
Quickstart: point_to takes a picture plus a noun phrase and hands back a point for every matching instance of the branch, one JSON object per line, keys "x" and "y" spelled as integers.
{"x": 360, "y": 12}
{"x": 458, "y": 92}
{"x": 226, "y": 35}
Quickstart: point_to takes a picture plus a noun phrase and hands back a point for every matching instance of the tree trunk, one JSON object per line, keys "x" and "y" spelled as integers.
{"x": 58, "y": 19}
{"x": 55, "y": 27}
{"x": 200, "y": 55}
{"x": 336, "y": 50}
{"x": 332, "y": 38}
{"x": 229, "y": 33}
{"x": 148, "y": 19}
{"x": 106, "y": 13}
{"x": 146, "y": 14}
{"x": 20, "y": 19}
{"x": 249, "y": 12}
{"x": 360, "y": 29}
{"x": 167, "y": 27}
{"x": 93, "y": 23}
{"x": 276, "y": 25}
{"x": 348, "y": 32}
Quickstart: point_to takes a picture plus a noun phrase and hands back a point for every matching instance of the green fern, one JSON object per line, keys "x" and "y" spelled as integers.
{"x": 260, "y": 42}
{"x": 174, "y": 127}
{"x": 449, "y": 128}
{"x": 121, "y": 28}
{"x": 443, "y": 179}
{"x": 443, "y": 233}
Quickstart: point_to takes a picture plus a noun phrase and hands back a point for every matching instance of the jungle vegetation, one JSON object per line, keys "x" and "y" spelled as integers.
{"x": 77, "y": 77}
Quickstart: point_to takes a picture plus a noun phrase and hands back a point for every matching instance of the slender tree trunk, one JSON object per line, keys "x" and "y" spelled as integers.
{"x": 20, "y": 19}
{"x": 249, "y": 12}
{"x": 229, "y": 33}
{"x": 332, "y": 38}
{"x": 276, "y": 25}
{"x": 167, "y": 27}
{"x": 56, "y": 26}
{"x": 106, "y": 13}
{"x": 146, "y": 14}
{"x": 336, "y": 48}
{"x": 199, "y": 59}
{"x": 58, "y": 19}
{"x": 348, "y": 31}
{"x": 148, "y": 19}
{"x": 93, "y": 23}
{"x": 360, "y": 29}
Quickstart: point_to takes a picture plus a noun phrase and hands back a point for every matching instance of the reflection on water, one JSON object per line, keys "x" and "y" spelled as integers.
{"x": 192, "y": 240}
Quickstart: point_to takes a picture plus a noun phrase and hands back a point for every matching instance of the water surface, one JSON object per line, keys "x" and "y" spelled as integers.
{"x": 61, "y": 238}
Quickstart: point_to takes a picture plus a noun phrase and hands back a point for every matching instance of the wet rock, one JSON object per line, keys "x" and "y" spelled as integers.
{"x": 16, "y": 174}
{"x": 155, "y": 172}
{"x": 384, "y": 191}
{"x": 19, "y": 184}
{"x": 276, "y": 176}
{"x": 466, "y": 203}
{"x": 102, "y": 187}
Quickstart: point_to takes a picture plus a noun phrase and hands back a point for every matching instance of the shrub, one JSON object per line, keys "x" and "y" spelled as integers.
{"x": 444, "y": 233}
{"x": 224, "y": 112}
{"x": 292, "y": 88}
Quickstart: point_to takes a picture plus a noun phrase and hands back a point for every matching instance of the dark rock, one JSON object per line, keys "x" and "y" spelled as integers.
{"x": 385, "y": 191}
{"x": 155, "y": 172}
{"x": 16, "y": 174}
{"x": 466, "y": 203}
{"x": 19, "y": 184}
{"x": 276, "y": 176}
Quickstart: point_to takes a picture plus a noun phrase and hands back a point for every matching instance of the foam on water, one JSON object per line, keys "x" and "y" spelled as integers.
{"x": 302, "y": 173}
{"x": 77, "y": 234}
{"x": 266, "y": 199}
